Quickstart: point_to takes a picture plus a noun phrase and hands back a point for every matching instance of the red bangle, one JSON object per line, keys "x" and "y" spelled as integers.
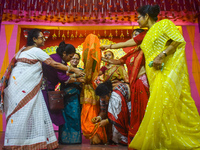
{"x": 110, "y": 46}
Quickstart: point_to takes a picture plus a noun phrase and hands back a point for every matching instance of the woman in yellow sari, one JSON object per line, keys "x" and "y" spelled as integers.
{"x": 90, "y": 102}
{"x": 171, "y": 119}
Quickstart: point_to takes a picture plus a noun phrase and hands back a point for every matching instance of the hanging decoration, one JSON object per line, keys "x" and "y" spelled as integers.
{"x": 66, "y": 11}
{"x": 68, "y": 34}
{"x": 63, "y": 36}
{"x": 72, "y": 36}
{"x": 110, "y": 35}
{"x": 116, "y": 33}
{"x": 25, "y": 33}
{"x": 58, "y": 33}
{"x": 122, "y": 35}
{"x": 80, "y": 36}
{"x": 46, "y": 34}
{"x": 76, "y": 34}
{"x": 127, "y": 33}
{"x": 105, "y": 33}
{"x": 54, "y": 36}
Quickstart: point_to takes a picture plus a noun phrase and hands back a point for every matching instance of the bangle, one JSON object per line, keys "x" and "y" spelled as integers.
{"x": 74, "y": 75}
{"x": 68, "y": 69}
{"x": 110, "y": 46}
{"x": 107, "y": 120}
{"x": 164, "y": 53}
{"x": 99, "y": 117}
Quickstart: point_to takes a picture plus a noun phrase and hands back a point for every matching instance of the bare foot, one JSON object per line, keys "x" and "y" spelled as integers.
{"x": 95, "y": 140}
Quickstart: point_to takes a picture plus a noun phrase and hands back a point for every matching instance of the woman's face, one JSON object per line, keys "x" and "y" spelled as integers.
{"x": 75, "y": 60}
{"x": 67, "y": 57}
{"x": 40, "y": 40}
{"x": 109, "y": 55}
{"x": 142, "y": 20}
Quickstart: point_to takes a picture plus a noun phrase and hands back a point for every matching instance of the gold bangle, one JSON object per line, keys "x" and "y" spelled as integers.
{"x": 107, "y": 120}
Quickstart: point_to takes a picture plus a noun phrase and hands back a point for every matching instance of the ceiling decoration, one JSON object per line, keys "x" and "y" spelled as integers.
{"x": 96, "y": 11}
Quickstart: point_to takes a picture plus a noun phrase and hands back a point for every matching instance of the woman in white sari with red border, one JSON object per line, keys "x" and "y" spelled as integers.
{"x": 28, "y": 122}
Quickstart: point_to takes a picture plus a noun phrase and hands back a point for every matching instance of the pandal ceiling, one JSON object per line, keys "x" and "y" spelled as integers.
{"x": 94, "y": 10}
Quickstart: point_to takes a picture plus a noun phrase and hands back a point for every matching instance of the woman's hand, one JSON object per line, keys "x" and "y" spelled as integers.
{"x": 96, "y": 119}
{"x": 104, "y": 59}
{"x": 79, "y": 72}
{"x": 103, "y": 123}
{"x": 104, "y": 47}
{"x": 157, "y": 62}
{"x": 81, "y": 79}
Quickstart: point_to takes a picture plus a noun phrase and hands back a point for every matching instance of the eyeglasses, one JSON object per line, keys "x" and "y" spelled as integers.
{"x": 43, "y": 38}
{"x": 139, "y": 17}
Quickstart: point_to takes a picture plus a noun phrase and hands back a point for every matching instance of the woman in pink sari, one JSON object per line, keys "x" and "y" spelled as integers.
{"x": 28, "y": 123}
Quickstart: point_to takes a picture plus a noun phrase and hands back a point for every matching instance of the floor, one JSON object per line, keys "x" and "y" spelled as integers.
{"x": 84, "y": 146}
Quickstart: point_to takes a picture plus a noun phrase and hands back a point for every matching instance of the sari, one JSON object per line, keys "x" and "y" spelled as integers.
{"x": 116, "y": 74}
{"x": 139, "y": 88}
{"x": 70, "y": 132}
{"x": 90, "y": 102}
{"x": 28, "y": 123}
{"x": 171, "y": 119}
{"x": 118, "y": 113}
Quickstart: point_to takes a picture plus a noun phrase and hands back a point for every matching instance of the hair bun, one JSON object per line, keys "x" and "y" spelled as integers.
{"x": 108, "y": 83}
{"x": 155, "y": 9}
{"x": 62, "y": 44}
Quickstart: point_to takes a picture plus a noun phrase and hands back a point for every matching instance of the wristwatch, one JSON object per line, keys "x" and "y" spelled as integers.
{"x": 164, "y": 53}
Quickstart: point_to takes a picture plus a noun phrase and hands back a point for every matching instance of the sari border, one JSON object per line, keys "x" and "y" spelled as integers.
{"x": 25, "y": 100}
{"x": 136, "y": 68}
{"x": 115, "y": 67}
{"x": 42, "y": 145}
{"x": 29, "y": 61}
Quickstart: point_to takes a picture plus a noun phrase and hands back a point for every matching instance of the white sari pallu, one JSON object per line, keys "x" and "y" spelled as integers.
{"x": 29, "y": 126}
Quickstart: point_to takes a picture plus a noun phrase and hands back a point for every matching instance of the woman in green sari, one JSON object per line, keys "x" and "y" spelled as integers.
{"x": 70, "y": 132}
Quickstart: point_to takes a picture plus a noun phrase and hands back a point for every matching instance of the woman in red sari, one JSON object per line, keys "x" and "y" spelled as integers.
{"x": 135, "y": 62}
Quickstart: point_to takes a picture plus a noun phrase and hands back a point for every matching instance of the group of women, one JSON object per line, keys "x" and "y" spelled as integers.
{"x": 158, "y": 114}
{"x": 131, "y": 93}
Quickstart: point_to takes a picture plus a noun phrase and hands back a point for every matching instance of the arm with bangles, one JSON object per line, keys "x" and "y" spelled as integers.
{"x": 80, "y": 79}
{"x": 158, "y": 60}
{"x": 102, "y": 118}
{"x": 112, "y": 61}
{"x": 63, "y": 67}
{"x": 129, "y": 43}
